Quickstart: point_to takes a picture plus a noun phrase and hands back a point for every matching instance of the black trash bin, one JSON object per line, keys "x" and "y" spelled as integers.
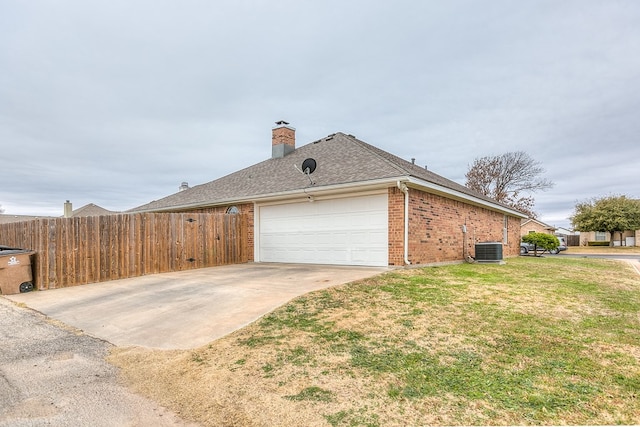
{"x": 15, "y": 270}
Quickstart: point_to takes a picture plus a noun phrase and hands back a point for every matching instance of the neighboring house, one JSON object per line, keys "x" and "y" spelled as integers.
{"x": 86, "y": 210}
{"x": 628, "y": 238}
{"x": 6, "y": 219}
{"x": 359, "y": 206}
{"x": 532, "y": 225}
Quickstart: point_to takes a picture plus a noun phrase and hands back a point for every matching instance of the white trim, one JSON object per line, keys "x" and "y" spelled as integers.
{"x": 288, "y": 196}
{"x": 321, "y": 196}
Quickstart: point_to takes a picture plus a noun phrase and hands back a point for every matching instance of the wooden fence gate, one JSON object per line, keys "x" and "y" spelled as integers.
{"x": 75, "y": 251}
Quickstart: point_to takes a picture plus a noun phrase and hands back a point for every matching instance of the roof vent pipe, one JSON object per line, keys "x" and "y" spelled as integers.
{"x": 183, "y": 186}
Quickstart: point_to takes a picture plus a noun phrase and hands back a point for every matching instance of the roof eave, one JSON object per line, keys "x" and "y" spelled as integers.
{"x": 326, "y": 190}
{"x": 546, "y": 226}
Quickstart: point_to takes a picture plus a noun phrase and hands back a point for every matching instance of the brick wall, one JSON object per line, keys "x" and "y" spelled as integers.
{"x": 396, "y": 227}
{"x": 534, "y": 226}
{"x": 435, "y": 228}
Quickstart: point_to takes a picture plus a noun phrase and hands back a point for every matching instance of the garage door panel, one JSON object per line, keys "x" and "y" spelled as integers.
{"x": 349, "y": 231}
{"x": 364, "y": 254}
{"x": 328, "y": 256}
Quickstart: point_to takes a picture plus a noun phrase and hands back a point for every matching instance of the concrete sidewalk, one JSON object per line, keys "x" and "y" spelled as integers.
{"x": 185, "y": 309}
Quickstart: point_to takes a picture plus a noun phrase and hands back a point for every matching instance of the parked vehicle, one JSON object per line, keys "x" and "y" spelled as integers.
{"x": 525, "y": 248}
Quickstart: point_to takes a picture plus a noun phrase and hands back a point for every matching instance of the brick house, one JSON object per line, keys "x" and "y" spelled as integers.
{"x": 530, "y": 225}
{"x": 90, "y": 209}
{"x": 626, "y": 238}
{"x": 8, "y": 219}
{"x": 86, "y": 210}
{"x": 359, "y": 206}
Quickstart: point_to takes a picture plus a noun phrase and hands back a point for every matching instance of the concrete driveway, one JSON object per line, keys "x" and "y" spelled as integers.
{"x": 185, "y": 309}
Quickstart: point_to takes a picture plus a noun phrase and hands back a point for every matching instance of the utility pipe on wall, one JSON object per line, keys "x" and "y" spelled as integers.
{"x": 405, "y": 190}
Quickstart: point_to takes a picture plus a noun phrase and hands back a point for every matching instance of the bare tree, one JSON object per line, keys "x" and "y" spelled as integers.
{"x": 508, "y": 178}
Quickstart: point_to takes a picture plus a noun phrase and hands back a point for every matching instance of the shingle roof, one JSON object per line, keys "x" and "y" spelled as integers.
{"x": 341, "y": 159}
{"x": 91, "y": 209}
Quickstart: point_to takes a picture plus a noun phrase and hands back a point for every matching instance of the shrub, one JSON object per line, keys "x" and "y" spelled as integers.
{"x": 598, "y": 243}
{"x": 542, "y": 240}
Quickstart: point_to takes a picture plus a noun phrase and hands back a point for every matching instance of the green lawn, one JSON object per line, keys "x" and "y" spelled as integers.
{"x": 536, "y": 341}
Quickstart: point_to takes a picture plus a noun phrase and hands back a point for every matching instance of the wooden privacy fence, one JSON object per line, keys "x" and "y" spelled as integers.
{"x": 573, "y": 240}
{"x": 75, "y": 251}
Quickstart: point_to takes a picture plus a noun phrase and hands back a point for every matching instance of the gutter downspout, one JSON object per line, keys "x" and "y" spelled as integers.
{"x": 405, "y": 190}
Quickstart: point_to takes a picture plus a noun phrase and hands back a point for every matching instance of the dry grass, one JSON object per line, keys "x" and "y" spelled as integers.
{"x": 536, "y": 341}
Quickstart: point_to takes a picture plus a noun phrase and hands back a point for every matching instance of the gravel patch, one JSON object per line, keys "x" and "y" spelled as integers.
{"x": 52, "y": 375}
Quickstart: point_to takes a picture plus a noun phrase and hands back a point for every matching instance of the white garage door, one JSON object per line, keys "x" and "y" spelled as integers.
{"x": 349, "y": 231}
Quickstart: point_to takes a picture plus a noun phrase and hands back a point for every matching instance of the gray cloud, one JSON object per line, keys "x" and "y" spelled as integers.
{"x": 117, "y": 102}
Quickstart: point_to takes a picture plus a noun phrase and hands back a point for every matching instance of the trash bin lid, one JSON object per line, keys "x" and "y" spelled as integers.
{"x": 7, "y": 252}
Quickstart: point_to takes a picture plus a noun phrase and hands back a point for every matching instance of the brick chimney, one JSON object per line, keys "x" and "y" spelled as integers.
{"x": 283, "y": 139}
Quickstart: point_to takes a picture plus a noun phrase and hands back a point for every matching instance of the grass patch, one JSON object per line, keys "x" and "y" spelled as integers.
{"x": 360, "y": 417}
{"x": 536, "y": 341}
{"x": 314, "y": 394}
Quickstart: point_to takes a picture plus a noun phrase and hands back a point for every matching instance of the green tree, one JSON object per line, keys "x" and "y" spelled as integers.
{"x": 544, "y": 241}
{"x": 610, "y": 214}
{"x": 508, "y": 178}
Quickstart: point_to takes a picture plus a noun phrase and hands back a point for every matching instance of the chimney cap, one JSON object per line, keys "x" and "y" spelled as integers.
{"x": 283, "y": 124}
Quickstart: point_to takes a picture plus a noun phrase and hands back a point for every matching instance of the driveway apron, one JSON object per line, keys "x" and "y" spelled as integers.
{"x": 187, "y": 309}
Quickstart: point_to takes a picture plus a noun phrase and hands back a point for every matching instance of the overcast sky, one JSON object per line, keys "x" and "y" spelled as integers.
{"x": 117, "y": 102}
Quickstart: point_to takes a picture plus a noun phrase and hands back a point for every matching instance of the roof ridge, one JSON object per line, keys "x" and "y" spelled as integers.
{"x": 411, "y": 169}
